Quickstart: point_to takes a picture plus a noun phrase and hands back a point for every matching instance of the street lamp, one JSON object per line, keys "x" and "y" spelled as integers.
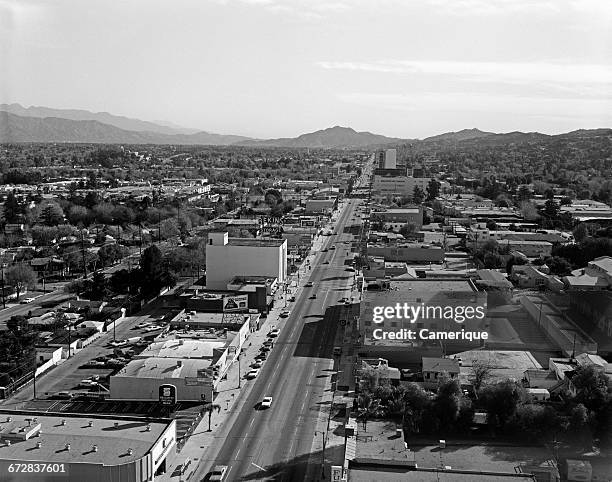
{"x": 323, "y": 436}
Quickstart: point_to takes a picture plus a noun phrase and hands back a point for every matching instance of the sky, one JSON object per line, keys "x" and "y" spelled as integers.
{"x": 280, "y": 68}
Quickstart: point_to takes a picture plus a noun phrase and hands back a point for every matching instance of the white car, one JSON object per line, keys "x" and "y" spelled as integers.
{"x": 252, "y": 373}
{"x": 274, "y": 333}
{"x": 144, "y": 324}
{"x": 27, "y": 300}
{"x": 153, "y": 328}
{"x": 266, "y": 402}
{"x": 87, "y": 383}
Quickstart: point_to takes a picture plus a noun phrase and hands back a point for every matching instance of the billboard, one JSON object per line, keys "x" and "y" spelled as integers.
{"x": 167, "y": 394}
{"x": 235, "y": 303}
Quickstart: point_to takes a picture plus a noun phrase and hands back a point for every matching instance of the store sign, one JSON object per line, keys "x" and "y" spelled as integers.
{"x": 235, "y": 303}
{"x": 167, "y": 394}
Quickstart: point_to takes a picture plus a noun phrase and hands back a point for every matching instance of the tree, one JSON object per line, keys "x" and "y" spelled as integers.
{"x": 501, "y": 401}
{"x": 110, "y": 254}
{"x": 591, "y": 386}
{"x": 17, "y": 323}
{"x": 78, "y": 215}
{"x": 447, "y": 402}
{"x": 20, "y": 276}
{"x": 481, "y": 372}
{"x": 551, "y": 209}
{"x": 491, "y": 225}
{"x": 51, "y": 214}
{"x": 559, "y": 266}
{"x": 44, "y": 235}
{"x": 210, "y": 408}
{"x": 12, "y": 208}
{"x": 433, "y": 189}
{"x": 580, "y": 233}
{"x": 529, "y": 211}
{"x": 418, "y": 196}
{"x": 100, "y": 287}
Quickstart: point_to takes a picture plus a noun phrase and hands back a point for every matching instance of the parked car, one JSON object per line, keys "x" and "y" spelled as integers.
{"x": 309, "y": 284}
{"x": 27, "y": 300}
{"x": 274, "y": 333}
{"x": 62, "y": 396}
{"x": 256, "y": 364}
{"x": 313, "y": 296}
{"x": 266, "y": 402}
{"x": 252, "y": 373}
{"x": 285, "y": 314}
{"x": 292, "y": 298}
{"x": 264, "y": 348}
{"x": 218, "y": 473}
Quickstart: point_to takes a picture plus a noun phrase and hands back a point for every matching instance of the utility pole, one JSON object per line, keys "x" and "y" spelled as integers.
{"x": 140, "y": 235}
{"x": 3, "y": 296}
{"x": 322, "y": 453}
{"x": 34, "y": 398}
{"x": 83, "y": 254}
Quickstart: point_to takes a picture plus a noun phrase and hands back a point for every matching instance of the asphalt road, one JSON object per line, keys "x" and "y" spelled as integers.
{"x": 275, "y": 443}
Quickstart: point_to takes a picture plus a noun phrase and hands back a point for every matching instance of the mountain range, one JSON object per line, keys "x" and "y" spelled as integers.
{"x": 42, "y": 124}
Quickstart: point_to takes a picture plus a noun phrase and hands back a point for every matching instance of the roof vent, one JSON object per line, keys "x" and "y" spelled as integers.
{"x": 130, "y": 451}
{"x": 9, "y": 419}
{"x": 94, "y": 448}
{"x": 8, "y": 443}
{"x": 63, "y": 422}
{"x": 148, "y": 429}
{"x": 179, "y": 363}
{"x": 67, "y": 447}
{"x": 116, "y": 424}
{"x": 38, "y": 445}
{"x": 90, "y": 423}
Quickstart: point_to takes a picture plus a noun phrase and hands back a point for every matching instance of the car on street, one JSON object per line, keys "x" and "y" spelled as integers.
{"x": 265, "y": 348}
{"x": 62, "y": 396}
{"x": 218, "y": 473}
{"x": 252, "y": 373}
{"x": 352, "y": 270}
{"x": 325, "y": 262}
{"x": 262, "y": 355}
{"x": 144, "y": 324}
{"x": 309, "y": 284}
{"x": 313, "y": 296}
{"x": 285, "y": 314}
{"x": 333, "y": 247}
{"x": 87, "y": 383}
{"x": 266, "y": 402}
{"x": 292, "y": 298}
{"x": 27, "y": 300}
{"x": 274, "y": 332}
{"x": 152, "y": 328}
{"x": 256, "y": 364}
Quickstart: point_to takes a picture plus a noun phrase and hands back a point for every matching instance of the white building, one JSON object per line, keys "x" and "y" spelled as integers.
{"x": 398, "y": 185}
{"x": 228, "y": 257}
{"x": 390, "y": 159}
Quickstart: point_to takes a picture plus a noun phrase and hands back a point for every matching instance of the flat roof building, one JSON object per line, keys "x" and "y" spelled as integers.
{"x": 228, "y": 257}
{"x": 88, "y": 448}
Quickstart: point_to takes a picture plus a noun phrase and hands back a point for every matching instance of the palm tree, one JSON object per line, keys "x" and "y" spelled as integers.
{"x": 368, "y": 407}
{"x": 210, "y": 408}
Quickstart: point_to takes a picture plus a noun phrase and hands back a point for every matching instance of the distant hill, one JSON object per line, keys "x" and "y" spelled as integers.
{"x": 462, "y": 135}
{"x": 333, "y": 137}
{"x": 15, "y": 128}
{"x": 104, "y": 117}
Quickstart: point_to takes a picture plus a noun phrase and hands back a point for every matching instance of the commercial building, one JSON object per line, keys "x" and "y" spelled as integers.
{"x": 400, "y": 216}
{"x": 141, "y": 379}
{"x": 407, "y": 252}
{"x": 393, "y": 185}
{"x": 386, "y": 159}
{"x": 88, "y": 448}
{"x": 228, "y": 257}
{"x": 433, "y": 297}
{"x": 324, "y": 205}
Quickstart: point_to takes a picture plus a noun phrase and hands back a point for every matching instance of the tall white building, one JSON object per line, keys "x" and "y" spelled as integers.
{"x": 390, "y": 159}
{"x": 228, "y": 257}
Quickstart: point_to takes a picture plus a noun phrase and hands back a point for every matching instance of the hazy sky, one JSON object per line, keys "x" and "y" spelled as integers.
{"x": 273, "y": 68}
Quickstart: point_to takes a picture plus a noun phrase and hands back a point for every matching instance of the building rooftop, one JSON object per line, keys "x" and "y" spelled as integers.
{"x": 160, "y": 368}
{"x": 256, "y": 242}
{"x": 112, "y": 441}
{"x": 182, "y": 348}
{"x": 440, "y": 365}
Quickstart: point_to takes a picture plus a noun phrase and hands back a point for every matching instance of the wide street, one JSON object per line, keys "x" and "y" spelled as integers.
{"x": 275, "y": 443}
